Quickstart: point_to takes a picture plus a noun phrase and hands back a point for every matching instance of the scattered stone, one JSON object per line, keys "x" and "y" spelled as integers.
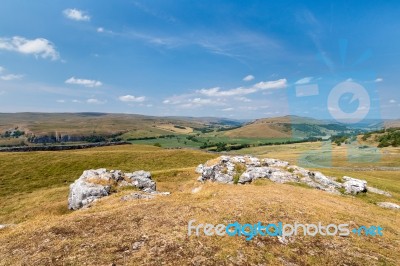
{"x": 389, "y": 205}
{"x": 196, "y": 190}
{"x": 95, "y": 184}
{"x": 4, "y": 226}
{"x": 142, "y": 180}
{"x": 378, "y": 191}
{"x": 136, "y": 196}
{"x": 354, "y": 186}
{"x": 137, "y": 245}
{"x": 274, "y": 162}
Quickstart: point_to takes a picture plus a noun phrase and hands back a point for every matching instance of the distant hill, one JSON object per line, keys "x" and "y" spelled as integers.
{"x": 79, "y": 124}
{"x": 288, "y": 126}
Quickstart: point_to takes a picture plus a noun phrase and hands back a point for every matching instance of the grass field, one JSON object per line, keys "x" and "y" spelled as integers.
{"x": 34, "y": 190}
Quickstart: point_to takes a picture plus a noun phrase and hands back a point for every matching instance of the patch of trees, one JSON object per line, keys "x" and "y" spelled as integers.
{"x": 205, "y": 129}
{"x": 390, "y": 138}
{"x": 310, "y": 139}
{"x": 339, "y": 139}
{"x": 153, "y": 137}
{"x": 227, "y": 128}
{"x": 180, "y": 127}
{"x": 13, "y": 134}
{"x": 222, "y": 146}
{"x": 192, "y": 138}
{"x": 94, "y": 138}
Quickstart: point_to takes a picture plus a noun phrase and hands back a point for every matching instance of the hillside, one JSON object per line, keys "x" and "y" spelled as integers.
{"x": 88, "y": 123}
{"x": 288, "y": 127}
{"x": 154, "y": 231}
{"x": 27, "y": 128}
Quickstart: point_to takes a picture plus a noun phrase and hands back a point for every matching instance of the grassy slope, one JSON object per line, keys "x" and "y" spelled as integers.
{"x": 50, "y": 235}
{"x": 263, "y": 128}
{"x": 89, "y": 123}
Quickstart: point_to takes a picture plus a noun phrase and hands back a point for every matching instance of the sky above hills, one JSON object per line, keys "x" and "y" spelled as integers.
{"x": 243, "y": 59}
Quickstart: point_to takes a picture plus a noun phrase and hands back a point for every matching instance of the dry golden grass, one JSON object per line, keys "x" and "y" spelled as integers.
{"x": 105, "y": 233}
{"x": 173, "y": 129}
{"x": 260, "y": 130}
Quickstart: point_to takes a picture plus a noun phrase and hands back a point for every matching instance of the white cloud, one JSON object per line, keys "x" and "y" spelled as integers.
{"x": 100, "y": 29}
{"x": 248, "y": 78}
{"x": 242, "y": 99}
{"x": 304, "y": 80}
{"x": 263, "y": 85}
{"x": 95, "y": 101}
{"x": 9, "y": 77}
{"x": 39, "y": 47}
{"x": 60, "y": 101}
{"x": 84, "y": 82}
{"x": 76, "y": 14}
{"x": 76, "y": 101}
{"x": 131, "y": 98}
{"x": 185, "y": 101}
{"x": 379, "y": 80}
{"x": 276, "y": 84}
{"x": 392, "y": 101}
{"x": 227, "y": 109}
{"x": 2, "y": 69}
{"x": 232, "y": 92}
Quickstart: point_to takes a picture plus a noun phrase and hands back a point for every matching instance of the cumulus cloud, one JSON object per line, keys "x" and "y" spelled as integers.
{"x": 95, "y": 101}
{"x": 76, "y": 14}
{"x": 100, "y": 29}
{"x": 9, "y": 77}
{"x": 379, "y": 80}
{"x": 275, "y": 84}
{"x": 392, "y": 101}
{"x": 263, "y": 85}
{"x": 39, "y": 47}
{"x": 185, "y": 101}
{"x": 242, "y": 99}
{"x": 84, "y": 82}
{"x": 76, "y": 101}
{"x": 248, "y": 78}
{"x": 304, "y": 80}
{"x": 2, "y": 69}
{"x": 131, "y": 98}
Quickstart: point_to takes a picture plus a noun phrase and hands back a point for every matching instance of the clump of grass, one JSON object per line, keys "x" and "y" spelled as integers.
{"x": 224, "y": 170}
{"x": 339, "y": 179}
{"x": 298, "y": 184}
{"x": 239, "y": 170}
{"x": 342, "y": 190}
{"x": 290, "y": 170}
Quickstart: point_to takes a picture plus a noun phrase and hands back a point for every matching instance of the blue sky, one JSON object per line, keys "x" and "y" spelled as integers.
{"x": 237, "y": 59}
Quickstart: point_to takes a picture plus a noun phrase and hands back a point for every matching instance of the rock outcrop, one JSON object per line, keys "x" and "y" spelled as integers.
{"x": 95, "y": 184}
{"x": 245, "y": 169}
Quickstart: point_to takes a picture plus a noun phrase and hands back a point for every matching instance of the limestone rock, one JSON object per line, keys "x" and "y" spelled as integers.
{"x": 142, "y": 180}
{"x": 389, "y": 205}
{"x": 95, "y": 184}
{"x": 378, "y": 191}
{"x": 226, "y": 169}
{"x": 354, "y": 186}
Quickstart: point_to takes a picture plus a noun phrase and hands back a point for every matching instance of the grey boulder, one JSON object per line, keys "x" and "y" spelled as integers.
{"x": 354, "y": 186}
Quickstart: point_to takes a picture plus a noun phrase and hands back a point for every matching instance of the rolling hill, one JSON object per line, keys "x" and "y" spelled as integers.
{"x": 288, "y": 127}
